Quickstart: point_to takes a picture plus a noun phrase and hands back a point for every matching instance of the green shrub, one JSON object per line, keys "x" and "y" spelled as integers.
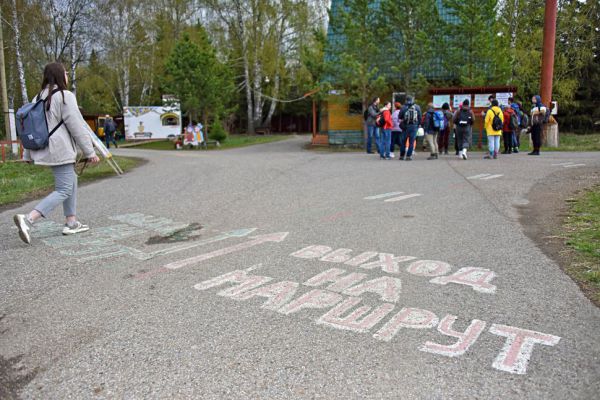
{"x": 217, "y": 132}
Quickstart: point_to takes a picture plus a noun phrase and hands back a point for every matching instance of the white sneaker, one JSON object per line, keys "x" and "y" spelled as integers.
{"x": 77, "y": 228}
{"x": 391, "y": 155}
{"x": 464, "y": 155}
{"x": 24, "y": 227}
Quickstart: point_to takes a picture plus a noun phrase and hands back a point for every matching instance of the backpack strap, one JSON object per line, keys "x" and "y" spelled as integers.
{"x": 56, "y": 128}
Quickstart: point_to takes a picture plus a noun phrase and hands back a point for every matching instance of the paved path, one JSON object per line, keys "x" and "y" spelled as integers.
{"x": 272, "y": 272}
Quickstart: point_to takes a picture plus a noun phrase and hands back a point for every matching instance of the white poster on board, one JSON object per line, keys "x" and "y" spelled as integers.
{"x": 503, "y": 98}
{"x": 459, "y": 98}
{"x": 440, "y": 99}
{"x": 481, "y": 100}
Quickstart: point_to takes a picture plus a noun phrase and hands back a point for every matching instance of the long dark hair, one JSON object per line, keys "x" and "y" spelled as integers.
{"x": 54, "y": 75}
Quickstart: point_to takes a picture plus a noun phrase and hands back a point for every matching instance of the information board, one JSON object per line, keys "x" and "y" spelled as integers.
{"x": 440, "y": 99}
{"x": 459, "y": 98}
{"x": 481, "y": 100}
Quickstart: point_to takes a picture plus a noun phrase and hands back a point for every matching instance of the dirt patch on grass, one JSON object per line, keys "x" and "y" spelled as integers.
{"x": 543, "y": 220}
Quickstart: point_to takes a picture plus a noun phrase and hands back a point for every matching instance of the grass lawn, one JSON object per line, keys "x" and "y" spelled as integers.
{"x": 22, "y": 181}
{"x": 232, "y": 141}
{"x": 569, "y": 142}
{"x": 582, "y": 228}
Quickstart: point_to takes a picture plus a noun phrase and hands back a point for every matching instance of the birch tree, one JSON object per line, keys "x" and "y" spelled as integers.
{"x": 19, "y": 54}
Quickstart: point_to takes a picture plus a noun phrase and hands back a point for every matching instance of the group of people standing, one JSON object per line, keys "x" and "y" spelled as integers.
{"x": 388, "y": 128}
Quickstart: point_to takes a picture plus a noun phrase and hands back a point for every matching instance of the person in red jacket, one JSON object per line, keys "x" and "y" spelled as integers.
{"x": 386, "y": 135}
{"x": 508, "y": 130}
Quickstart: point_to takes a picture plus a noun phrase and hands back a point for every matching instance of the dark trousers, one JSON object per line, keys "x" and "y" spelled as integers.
{"x": 536, "y": 137}
{"x": 409, "y": 133}
{"x": 109, "y": 138}
{"x": 395, "y": 140}
{"x": 444, "y": 140}
{"x": 508, "y": 138}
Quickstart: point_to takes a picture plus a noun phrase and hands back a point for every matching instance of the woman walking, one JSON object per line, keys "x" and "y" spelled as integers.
{"x": 60, "y": 154}
{"x": 538, "y": 117}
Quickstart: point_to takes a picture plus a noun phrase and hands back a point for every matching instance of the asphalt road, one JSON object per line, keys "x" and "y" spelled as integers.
{"x": 460, "y": 304}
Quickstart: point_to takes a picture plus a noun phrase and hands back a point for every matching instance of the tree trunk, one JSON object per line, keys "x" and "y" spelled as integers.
{"x": 258, "y": 100}
{"x": 19, "y": 56}
{"x": 248, "y": 96}
{"x": 273, "y": 102}
{"x": 73, "y": 68}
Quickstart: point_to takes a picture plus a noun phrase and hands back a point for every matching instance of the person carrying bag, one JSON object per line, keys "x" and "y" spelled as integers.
{"x": 59, "y": 152}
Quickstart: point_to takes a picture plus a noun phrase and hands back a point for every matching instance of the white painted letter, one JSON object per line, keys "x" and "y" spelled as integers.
{"x": 314, "y": 251}
{"x": 518, "y": 347}
{"x": 478, "y": 278}
{"x": 314, "y": 299}
{"x": 465, "y": 339}
{"x": 277, "y": 293}
{"x": 429, "y": 268}
{"x": 353, "y": 322}
{"x": 338, "y": 282}
{"x": 361, "y": 258}
{"x": 415, "y": 318}
{"x": 388, "y": 263}
{"x": 387, "y": 287}
{"x": 337, "y": 256}
{"x": 245, "y": 282}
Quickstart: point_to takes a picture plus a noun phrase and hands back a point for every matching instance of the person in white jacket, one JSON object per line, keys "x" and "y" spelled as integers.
{"x": 60, "y": 154}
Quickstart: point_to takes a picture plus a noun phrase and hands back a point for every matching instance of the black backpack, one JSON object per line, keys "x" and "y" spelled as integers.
{"x": 465, "y": 118}
{"x": 366, "y": 114}
{"x": 497, "y": 122}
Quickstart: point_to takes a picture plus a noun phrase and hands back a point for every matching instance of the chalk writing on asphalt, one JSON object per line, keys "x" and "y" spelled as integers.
{"x": 349, "y": 279}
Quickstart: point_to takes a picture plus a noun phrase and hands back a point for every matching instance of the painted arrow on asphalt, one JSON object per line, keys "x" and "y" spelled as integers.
{"x": 233, "y": 234}
{"x": 256, "y": 240}
{"x": 114, "y": 251}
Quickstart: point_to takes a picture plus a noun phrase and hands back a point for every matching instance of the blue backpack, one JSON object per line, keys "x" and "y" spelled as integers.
{"x": 439, "y": 120}
{"x": 32, "y": 126}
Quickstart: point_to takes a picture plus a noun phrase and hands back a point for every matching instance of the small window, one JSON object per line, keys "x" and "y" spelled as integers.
{"x": 355, "y": 108}
{"x": 170, "y": 121}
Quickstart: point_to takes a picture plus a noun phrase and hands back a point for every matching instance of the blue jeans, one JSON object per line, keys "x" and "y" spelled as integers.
{"x": 65, "y": 191}
{"x": 372, "y": 135}
{"x": 411, "y": 133}
{"x": 386, "y": 140}
{"x": 494, "y": 144}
